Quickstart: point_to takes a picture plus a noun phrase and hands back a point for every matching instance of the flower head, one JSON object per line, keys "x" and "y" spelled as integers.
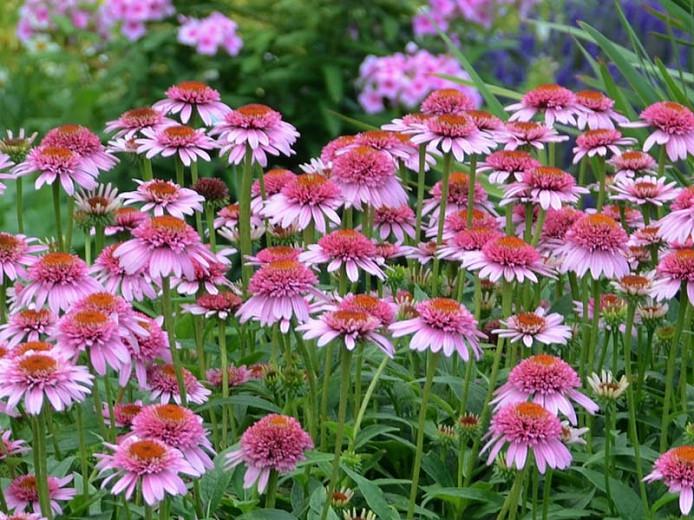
{"x": 57, "y": 163}
{"x": 631, "y": 162}
{"x": 555, "y": 103}
{"x": 125, "y": 220}
{"x": 507, "y": 163}
{"x": 674, "y": 128}
{"x": 675, "y": 269}
{"x": 23, "y": 492}
{"x": 606, "y": 387}
{"x": 596, "y": 110}
{"x": 10, "y": 448}
{"x": 187, "y": 96}
{"x": 109, "y": 271}
{"x": 83, "y": 142}
{"x": 517, "y": 134}
{"x": 453, "y": 133}
{"x": 645, "y": 190}
{"x": 131, "y": 123}
{"x": 398, "y": 221}
{"x": 530, "y": 327}
{"x": 149, "y": 345}
{"x": 598, "y": 142}
{"x": 507, "y": 257}
{"x": 163, "y": 385}
{"x": 546, "y": 186}
{"x": 123, "y": 413}
{"x": 163, "y": 196}
{"x": 678, "y": 225}
{"x": 16, "y": 253}
{"x": 185, "y": 142}
{"x": 447, "y": 101}
{"x": 675, "y": 468}
{"x": 220, "y": 305}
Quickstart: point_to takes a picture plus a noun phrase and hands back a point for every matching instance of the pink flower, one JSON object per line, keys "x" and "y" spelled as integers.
{"x": 210, "y": 33}
{"x": 274, "y": 253}
{"x": 36, "y": 375}
{"x": 472, "y": 239}
{"x": 553, "y": 102}
{"x": 84, "y": 143}
{"x": 163, "y": 246}
{"x": 526, "y": 426}
{"x": 535, "y": 326}
{"x": 150, "y": 345}
{"x": 398, "y": 221}
{"x": 506, "y": 163}
{"x": 237, "y": 376}
{"x": 484, "y": 121}
{"x": 274, "y": 180}
{"x": 146, "y": 463}
{"x": 57, "y": 163}
{"x": 458, "y": 188}
{"x": 645, "y": 190}
{"x": 22, "y": 516}
{"x": 257, "y": 128}
{"x": 187, "y": 96}
{"x": 673, "y": 270}
{"x": 132, "y": 122}
{"x": 557, "y": 223}
{"x": 457, "y": 221}
{"x": 125, "y": 220}
{"x": 674, "y": 128}
{"x": 596, "y": 243}
{"x": 26, "y": 325}
{"x": 184, "y": 141}
{"x": 598, "y": 142}
{"x": 424, "y": 252}
{"x": 397, "y": 145}
{"x": 330, "y": 150}
{"x": 109, "y": 271}
{"x": 16, "y": 253}
{"x": 447, "y": 101}
{"x": 453, "y": 133}
{"x": 443, "y": 325}
{"x": 546, "y": 186}
{"x": 23, "y": 492}
{"x": 10, "y": 448}
{"x": 517, "y": 134}
{"x": 507, "y": 257}
{"x": 381, "y": 309}
{"x": 221, "y": 305}
{"x": 207, "y": 278}
{"x": 164, "y": 197}
{"x": 678, "y": 225}
{"x": 123, "y": 413}
{"x": 367, "y": 176}
{"x": 675, "y": 468}
{"x": 274, "y": 443}
{"x": 629, "y": 163}
{"x": 179, "y": 428}
{"x": 596, "y": 111}
{"x": 162, "y": 383}
{"x": 305, "y": 199}
{"x": 346, "y": 247}
{"x": 59, "y": 279}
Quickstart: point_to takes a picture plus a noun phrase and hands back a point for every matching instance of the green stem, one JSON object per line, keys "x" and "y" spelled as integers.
{"x": 180, "y": 173}
{"x": 70, "y": 222}
{"x": 198, "y": 215}
{"x": 98, "y": 239}
{"x": 245, "y": 244}
{"x": 222, "y": 335}
{"x": 98, "y": 405}
{"x": 271, "y": 494}
{"x": 420, "y": 190}
{"x": 311, "y": 411}
{"x": 510, "y": 505}
{"x": 56, "y": 210}
{"x": 84, "y": 458}
{"x": 147, "y": 169}
{"x": 164, "y": 509}
{"x": 365, "y": 402}
{"x": 170, "y": 324}
{"x": 209, "y": 219}
{"x": 447, "y": 158}
{"x": 547, "y": 493}
{"x": 609, "y": 414}
{"x": 40, "y": 464}
{"x": 538, "y": 226}
{"x": 471, "y": 191}
{"x": 19, "y": 203}
{"x": 263, "y": 197}
{"x": 327, "y": 365}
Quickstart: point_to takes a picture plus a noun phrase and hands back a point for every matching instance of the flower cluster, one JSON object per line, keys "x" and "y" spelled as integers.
{"x": 209, "y": 34}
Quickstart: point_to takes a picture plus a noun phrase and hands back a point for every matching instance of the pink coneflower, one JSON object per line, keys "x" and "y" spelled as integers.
{"x": 527, "y": 426}
{"x": 10, "y": 448}
{"x": 424, "y": 252}
{"x": 274, "y": 253}
{"x": 389, "y": 251}
{"x": 162, "y": 383}
{"x": 83, "y": 142}
{"x": 646, "y": 236}
{"x": 273, "y": 180}
{"x": 109, "y": 271}
{"x": 220, "y": 305}
{"x": 517, "y": 134}
{"x": 645, "y": 190}
{"x": 132, "y": 122}
{"x": 398, "y": 146}
{"x": 150, "y": 345}
{"x": 630, "y": 163}
{"x": 57, "y": 163}
{"x": 23, "y": 492}
{"x": 596, "y": 111}
{"x": 633, "y": 216}
{"x": 26, "y": 325}
{"x": 508, "y": 257}
{"x": 207, "y": 278}
{"x": 635, "y": 285}
{"x": 16, "y": 253}
{"x": 458, "y": 187}
{"x": 485, "y": 121}
{"x": 36, "y": 375}
{"x": 185, "y": 142}
{"x": 305, "y": 199}
{"x": 443, "y": 325}
{"x": 257, "y": 128}
{"x": 546, "y": 186}
{"x": 446, "y": 101}
{"x": 674, "y": 128}
{"x": 274, "y": 443}
{"x": 396, "y": 220}
{"x": 236, "y": 376}
{"x": 673, "y": 270}
{"x": 598, "y": 142}
{"x": 187, "y": 96}
{"x": 557, "y": 223}
{"x": 31, "y": 346}
{"x": 279, "y": 291}
{"x": 350, "y": 326}
{"x": 407, "y": 124}
{"x": 163, "y": 196}
{"x": 164, "y": 246}
{"x": 555, "y": 103}
{"x": 506, "y": 163}
{"x": 179, "y": 428}
{"x": 472, "y": 239}
{"x": 330, "y": 150}
{"x": 545, "y": 380}
{"x": 125, "y": 220}
{"x": 59, "y": 279}
{"x": 147, "y": 464}
{"x": 346, "y": 247}
{"x": 123, "y": 413}
{"x": 531, "y": 327}
{"x": 678, "y": 225}
{"x": 454, "y": 133}
{"x": 457, "y": 221}
{"x": 381, "y": 309}
{"x": 228, "y": 219}
{"x": 596, "y": 243}
{"x": 115, "y": 307}
{"x": 367, "y": 176}
{"x": 675, "y": 468}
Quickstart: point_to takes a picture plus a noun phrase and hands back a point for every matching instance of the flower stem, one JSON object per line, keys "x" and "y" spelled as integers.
{"x": 70, "y": 222}
{"x": 98, "y": 405}
{"x": 420, "y": 190}
{"x": 180, "y": 173}
{"x": 170, "y": 325}
{"x": 365, "y": 403}
{"x": 245, "y": 244}
{"x": 510, "y": 505}
{"x": 40, "y": 468}
{"x": 225, "y": 379}
{"x": 607, "y": 465}
{"x": 56, "y": 209}
{"x": 147, "y": 174}
{"x": 84, "y": 460}
{"x": 271, "y": 490}
{"x": 209, "y": 219}
{"x": 442, "y": 217}
{"x": 471, "y": 191}
{"x": 547, "y": 493}
{"x": 19, "y": 204}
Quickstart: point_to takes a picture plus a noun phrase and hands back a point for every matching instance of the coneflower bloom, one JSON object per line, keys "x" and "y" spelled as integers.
{"x": 531, "y": 327}
{"x": 305, "y": 199}
{"x": 471, "y": 239}
{"x": 675, "y": 468}
{"x": 424, "y": 252}
{"x": 605, "y": 386}
{"x": 398, "y": 221}
{"x": 595, "y": 243}
{"x": 23, "y": 492}
{"x": 178, "y": 428}
{"x": 458, "y": 187}
{"x": 150, "y": 345}
{"x": 237, "y": 376}
{"x": 367, "y": 176}
{"x": 330, "y": 150}
{"x": 115, "y": 307}
{"x": 26, "y": 325}
{"x": 16, "y": 253}
{"x": 97, "y": 206}
{"x": 546, "y": 186}
{"x": 273, "y": 182}
{"x": 214, "y": 191}
{"x": 162, "y": 383}
{"x": 548, "y": 381}
{"x": 442, "y": 325}
{"x": 517, "y": 134}
{"x": 633, "y": 217}
{"x": 485, "y": 121}
{"x": 57, "y": 163}
{"x": 185, "y": 142}
{"x": 83, "y": 142}
{"x": 635, "y": 285}
{"x": 407, "y": 124}
{"x": 454, "y": 133}
{"x": 274, "y": 253}
{"x": 356, "y": 514}
{"x": 596, "y": 110}
{"x": 645, "y": 190}
{"x": 674, "y": 128}
{"x": 220, "y": 305}
{"x": 163, "y": 246}
{"x": 554, "y": 102}
{"x": 207, "y": 278}
{"x": 381, "y": 309}
{"x": 148, "y": 464}
{"x": 10, "y": 448}
{"x": 132, "y": 122}
{"x": 163, "y": 196}
{"x": 509, "y": 258}
{"x": 673, "y": 270}
{"x": 274, "y": 443}
{"x": 630, "y": 163}
{"x": 125, "y": 220}
{"x": 503, "y": 164}
{"x": 557, "y": 223}
{"x": 278, "y": 294}
{"x": 346, "y": 247}
{"x": 22, "y": 516}
{"x": 227, "y": 222}
{"x": 398, "y": 146}
{"x": 33, "y": 346}
{"x": 187, "y": 96}
{"x": 38, "y": 375}
{"x": 678, "y": 225}
{"x": 527, "y": 426}
{"x": 59, "y": 279}
{"x": 447, "y": 101}
{"x": 257, "y": 128}
{"x": 457, "y": 221}
{"x": 109, "y": 271}
{"x": 598, "y": 142}
{"x": 123, "y": 413}
{"x": 351, "y": 327}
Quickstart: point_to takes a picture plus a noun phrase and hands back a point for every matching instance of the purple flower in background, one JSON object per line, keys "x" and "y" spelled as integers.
{"x": 208, "y": 34}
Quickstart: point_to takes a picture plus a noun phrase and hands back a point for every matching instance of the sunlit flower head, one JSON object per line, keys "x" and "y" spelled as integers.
{"x": 110, "y": 272}
{"x": 164, "y": 197}
{"x": 131, "y": 123}
{"x": 148, "y": 346}
{"x": 632, "y": 162}
{"x": 675, "y": 468}
{"x": 23, "y": 493}
{"x": 208, "y": 278}
{"x": 125, "y": 220}
{"x": 221, "y": 305}
{"x": 398, "y": 221}
{"x": 83, "y": 142}
{"x": 189, "y": 96}
{"x": 678, "y": 225}
{"x": 536, "y": 326}
{"x": 596, "y": 110}
{"x": 674, "y": 128}
{"x": 162, "y": 383}
{"x": 447, "y": 101}
{"x": 16, "y": 254}
{"x": 598, "y": 142}
{"x": 187, "y": 143}
{"x": 673, "y": 270}
{"x": 455, "y": 134}
{"x": 470, "y": 239}
{"x": 503, "y": 164}
{"x": 545, "y": 186}
{"x": 57, "y": 164}
{"x": 457, "y": 199}
{"x": 509, "y": 258}
{"x": 554, "y": 103}
{"x": 645, "y": 190}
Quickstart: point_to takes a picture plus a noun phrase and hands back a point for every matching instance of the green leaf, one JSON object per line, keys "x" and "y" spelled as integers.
{"x": 213, "y": 485}
{"x": 242, "y": 400}
{"x": 333, "y": 82}
{"x": 626, "y": 500}
{"x": 267, "y": 514}
{"x": 451, "y": 494}
{"x": 373, "y": 495}
{"x": 368, "y": 433}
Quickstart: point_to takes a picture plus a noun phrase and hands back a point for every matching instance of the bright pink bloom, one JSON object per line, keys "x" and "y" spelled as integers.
{"x": 184, "y": 141}
{"x": 530, "y": 327}
{"x": 274, "y": 443}
{"x": 109, "y": 271}
{"x": 83, "y": 142}
{"x": 274, "y": 253}
{"x": 596, "y": 110}
{"x": 645, "y": 190}
{"x": 458, "y": 187}
{"x": 485, "y": 121}
{"x": 397, "y": 145}
{"x": 125, "y": 220}
{"x": 236, "y": 376}
{"x": 675, "y": 468}
{"x": 509, "y": 258}
{"x": 557, "y": 223}
{"x": 381, "y": 309}
{"x": 132, "y": 122}
{"x": 674, "y": 128}
{"x": 629, "y": 163}
{"x": 123, "y": 413}
{"x": 447, "y": 101}
{"x": 22, "y": 516}
{"x": 442, "y": 325}
{"x": 553, "y": 102}
{"x": 546, "y": 186}
{"x": 164, "y": 197}
{"x": 273, "y": 180}
{"x": 517, "y": 134}
{"x": 207, "y": 278}
{"x": 330, "y": 150}
{"x": 457, "y": 221}
{"x": 150, "y": 345}
{"x": 673, "y": 270}
{"x": 208, "y": 34}
{"x": 453, "y": 133}
{"x": 527, "y": 426}
{"x": 424, "y": 252}
{"x": 187, "y": 96}
{"x": 678, "y": 225}
{"x": 472, "y": 239}
{"x": 10, "y": 448}
{"x": 57, "y": 163}
{"x": 396, "y": 220}
{"x": 221, "y": 305}
{"x": 149, "y": 463}
{"x": 506, "y": 163}
{"x": 23, "y": 492}
{"x": 16, "y": 253}
{"x": 348, "y": 247}
{"x": 162, "y": 383}
{"x": 598, "y": 142}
